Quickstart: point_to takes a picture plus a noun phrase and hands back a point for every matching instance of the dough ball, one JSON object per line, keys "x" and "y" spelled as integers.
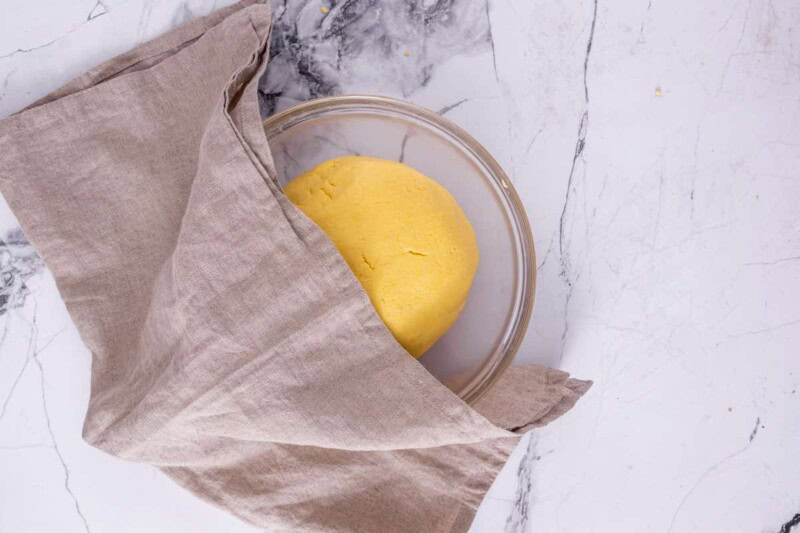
{"x": 403, "y": 236}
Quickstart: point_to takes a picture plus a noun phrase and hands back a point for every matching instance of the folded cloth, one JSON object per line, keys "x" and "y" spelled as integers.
{"x": 232, "y": 346}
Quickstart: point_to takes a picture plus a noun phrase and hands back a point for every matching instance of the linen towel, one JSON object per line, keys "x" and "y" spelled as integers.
{"x": 232, "y": 346}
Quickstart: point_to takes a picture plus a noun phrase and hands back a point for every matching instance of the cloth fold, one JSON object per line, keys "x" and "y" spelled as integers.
{"x": 232, "y": 346}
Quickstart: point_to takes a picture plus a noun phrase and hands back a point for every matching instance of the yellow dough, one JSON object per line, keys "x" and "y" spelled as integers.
{"x": 402, "y": 234}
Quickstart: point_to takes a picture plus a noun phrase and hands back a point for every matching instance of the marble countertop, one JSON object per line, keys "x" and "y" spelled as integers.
{"x": 656, "y": 147}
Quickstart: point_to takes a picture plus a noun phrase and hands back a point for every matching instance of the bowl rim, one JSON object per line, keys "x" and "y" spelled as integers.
{"x": 474, "y": 391}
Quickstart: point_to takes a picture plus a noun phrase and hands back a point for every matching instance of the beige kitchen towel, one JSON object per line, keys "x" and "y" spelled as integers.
{"x": 232, "y": 346}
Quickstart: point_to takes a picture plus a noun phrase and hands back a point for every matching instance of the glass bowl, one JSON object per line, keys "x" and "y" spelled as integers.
{"x": 476, "y": 350}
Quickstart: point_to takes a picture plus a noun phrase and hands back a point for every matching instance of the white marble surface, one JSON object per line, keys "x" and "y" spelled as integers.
{"x": 660, "y": 168}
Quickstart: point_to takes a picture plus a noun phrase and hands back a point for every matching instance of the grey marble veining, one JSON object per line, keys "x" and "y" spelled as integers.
{"x": 518, "y": 520}
{"x": 318, "y": 48}
{"x": 18, "y": 263}
{"x": 566, "y": 272}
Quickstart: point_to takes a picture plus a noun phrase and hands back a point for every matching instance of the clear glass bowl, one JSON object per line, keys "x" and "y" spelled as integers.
{"x": 473, "y": 353}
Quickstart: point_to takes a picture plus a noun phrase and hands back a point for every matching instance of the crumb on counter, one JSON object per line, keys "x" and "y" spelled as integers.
{"x": 325, "y": 10}
{"x": 658, "y": 91}
{"x": 407, "y": 53}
